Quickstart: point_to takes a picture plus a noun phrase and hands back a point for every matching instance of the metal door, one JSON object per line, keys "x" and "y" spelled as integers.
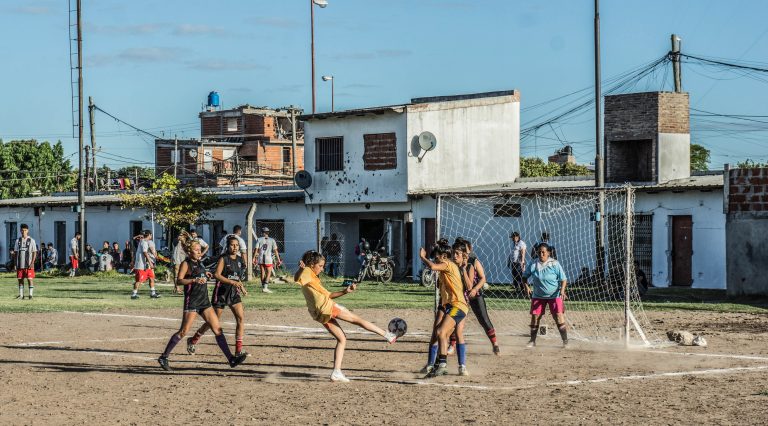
{"x": 682, "y": 250}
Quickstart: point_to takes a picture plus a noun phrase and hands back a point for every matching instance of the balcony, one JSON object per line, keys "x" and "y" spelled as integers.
{"x": 247, "y": 168}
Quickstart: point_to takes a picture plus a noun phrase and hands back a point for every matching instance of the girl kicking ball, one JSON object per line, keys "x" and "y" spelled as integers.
{"x": 194, "y": 278}
{"x": 324, "y": 310}
{"x": 548, "y": 290}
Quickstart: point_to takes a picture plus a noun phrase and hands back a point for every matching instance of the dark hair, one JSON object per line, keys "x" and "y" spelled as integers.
{"x": 78, "y": 233}
{"x": 312, "y": 257}
{"x": 442, "y": 249}
{"x": 236, "y": 228}
{"x": 545, "y": 235}
{"x": 514, "y": 234}
{"x": 24, "y": 226}
{"x": 229, "y": 240}
{"x": 147, "y": 232}
{"x": 459, "y": 245}
{"x": 50, "y": 244}
{"x": 543, "y": 246}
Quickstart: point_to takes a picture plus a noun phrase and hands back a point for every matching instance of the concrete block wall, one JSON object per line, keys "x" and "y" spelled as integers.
{"x": 748, "y": 190}
{"x": 746, "y": 226}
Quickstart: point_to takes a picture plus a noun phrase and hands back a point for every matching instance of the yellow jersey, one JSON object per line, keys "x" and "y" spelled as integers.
{"x": 452, "y": 288}
{"x": 319, "y": 302}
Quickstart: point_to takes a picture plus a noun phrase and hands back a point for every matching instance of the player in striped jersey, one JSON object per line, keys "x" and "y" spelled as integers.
{"x": 24, "y": 259}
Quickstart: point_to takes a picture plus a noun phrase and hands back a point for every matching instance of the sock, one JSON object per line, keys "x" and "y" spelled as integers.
{"x": 563, "y": 331}
{"x": 491, "y": 335}
{"x": 21, "y": 291}
{"x": 196, "y": 337}
{"x": 175, "y": 339}
{"x": 432, "y": 355}
{"x": 239, "y": 344}
{"x": 135, "y": 292}
{"x": 461, "y": 352}
{"x": 152, "y": 290}
{"x": 453, "y": 340}
{"x": 442, "y": 360}
{"x": 534, "y": 333}
{"x": 221, "y": 340}
{"x": 31, "y": 290}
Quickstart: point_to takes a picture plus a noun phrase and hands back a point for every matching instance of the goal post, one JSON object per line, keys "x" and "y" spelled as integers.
{"x": 603, "y": 302}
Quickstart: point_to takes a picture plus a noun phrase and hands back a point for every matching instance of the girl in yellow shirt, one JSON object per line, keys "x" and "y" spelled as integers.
{"x": 324, "y": 310}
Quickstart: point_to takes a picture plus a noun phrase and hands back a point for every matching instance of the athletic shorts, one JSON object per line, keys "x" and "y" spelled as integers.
{"x": 335, "y": 311}
{"x": 28, "y": 273}
{"x": 196, "y": 298}
{"x": 454, "y": 312}
{"x": 225, "y": 295}
{"x": 144, "y": 274}
{"x": 538, "y": 306}
{"x": 74, "y": 261}
{"x": 266, "y": 265}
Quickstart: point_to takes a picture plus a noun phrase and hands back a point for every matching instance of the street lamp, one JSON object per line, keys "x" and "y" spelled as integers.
{"x": 326, "y": 78}
{"x": 322, "y": 4}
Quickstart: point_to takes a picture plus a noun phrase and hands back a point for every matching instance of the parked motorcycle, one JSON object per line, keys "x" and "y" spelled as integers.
{"x": 376, "y": 266}
{"x": 428, "y": 277}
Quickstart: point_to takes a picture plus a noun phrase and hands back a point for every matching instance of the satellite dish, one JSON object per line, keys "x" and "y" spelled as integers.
{"x": 427, "y": 141}
{"x": 303, "y": 179}
{"x": 193, "y": 153}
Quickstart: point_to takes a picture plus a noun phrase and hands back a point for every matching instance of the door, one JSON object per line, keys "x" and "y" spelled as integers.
{"x": 682, "y": 250}
{"x": 135, "y": 228}
{"x": 430, "y": 233}
{"x": 374, "y": 231}
{"x": 11, "y": 234}
{"x": 60, "y": 240}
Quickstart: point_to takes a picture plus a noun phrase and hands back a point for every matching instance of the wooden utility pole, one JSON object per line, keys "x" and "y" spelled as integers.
{"x": 676, "y": 42}
{"x": 93, "y": 145}
{"x": 81, "y": 175}
{"x": 599, "y": 166}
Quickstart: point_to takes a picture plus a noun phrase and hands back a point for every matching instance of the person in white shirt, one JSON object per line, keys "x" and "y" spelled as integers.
{"x": 144, "y": 265}
{"x": 193, "y": 237}
{"x": 236, "y": 233}
{"x": 516, "y": 260}
{"x": 24, "y": 258}
{"x": 53, "y": 257}
{"x": 74, "y": 253}
{"x": 266, "y": 255}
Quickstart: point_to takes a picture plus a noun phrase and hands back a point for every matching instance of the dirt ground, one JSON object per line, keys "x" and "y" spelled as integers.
{"x": 75, "y": 368}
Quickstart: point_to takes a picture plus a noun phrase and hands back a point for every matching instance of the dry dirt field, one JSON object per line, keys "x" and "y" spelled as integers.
{"x": 77, "y": 368}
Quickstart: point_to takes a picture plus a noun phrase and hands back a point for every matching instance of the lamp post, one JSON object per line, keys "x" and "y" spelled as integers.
{"x": 322, "y": 4}
{"x": 326, "y": 78}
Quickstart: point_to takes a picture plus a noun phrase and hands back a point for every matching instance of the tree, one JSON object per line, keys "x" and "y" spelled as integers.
{"x": 536, "y": 167}
{"x": 28, "y": 167}
{"x": 750, "y": 164}
{"x": 699, "y": 158}
{"x": 174, "y": 206}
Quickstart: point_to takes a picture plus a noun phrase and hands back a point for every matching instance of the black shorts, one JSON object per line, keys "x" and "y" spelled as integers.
{"x": 225, "y": 295}
{"x": 196, "y": 298}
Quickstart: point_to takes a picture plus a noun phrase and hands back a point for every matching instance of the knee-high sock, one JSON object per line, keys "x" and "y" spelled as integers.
{"x": 563, "y": 331}
{"x": 238, "y": 343}
{"x": 461, "y": 352}
{"x": 31, "y": 290}
{"x": 432, "y": 354}
{"x": 491, "y": 333}
{"x": 21, "y": 290}
{"x": 175, "y": 339}
{"x": 534, "y": 332}
{"x": 196, "y": 337}
{"x": 224, "y": 346}
{"x": 453, "y": 339}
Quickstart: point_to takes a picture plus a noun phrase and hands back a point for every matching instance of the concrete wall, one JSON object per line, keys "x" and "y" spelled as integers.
{"x": 746, "y": 206}
{"x": 708, "y": 263}
{"x": 674, "y": 153}
{"x": 478, "y": 142}
{"x": 354, "y": 184}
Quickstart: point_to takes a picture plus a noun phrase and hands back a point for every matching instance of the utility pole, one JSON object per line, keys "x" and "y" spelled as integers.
{"x": 676, "y": 42}
{"x": 175, "y": 154}
{"x": 312, "y": 47}
{"x": 599, "y": 166}
{"x": 87, "y": 168}
{"x": 293, "y": 139}
{"x": 81, "y": 176}
{"x": 93, "y": 145}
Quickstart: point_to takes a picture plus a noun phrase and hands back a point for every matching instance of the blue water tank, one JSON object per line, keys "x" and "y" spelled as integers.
{"x": 213, "y": 99}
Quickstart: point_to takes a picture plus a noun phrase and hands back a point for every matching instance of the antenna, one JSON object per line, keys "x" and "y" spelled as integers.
{"x": 427, "y": 142}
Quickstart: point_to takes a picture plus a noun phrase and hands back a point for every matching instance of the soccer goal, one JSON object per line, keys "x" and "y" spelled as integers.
{"x": 603, "y": 302}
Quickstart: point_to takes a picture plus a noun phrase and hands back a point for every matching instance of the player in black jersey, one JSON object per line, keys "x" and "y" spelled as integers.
{"x": 230, "y": 274}
{"x": 194, "y": 278}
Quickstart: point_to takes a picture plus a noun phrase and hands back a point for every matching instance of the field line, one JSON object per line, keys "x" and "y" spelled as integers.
{"x": 748, "y": 357}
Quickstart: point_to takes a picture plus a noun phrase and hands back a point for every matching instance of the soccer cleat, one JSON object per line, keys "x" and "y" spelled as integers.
{"x": 265, "y": 290}
{"x": 451, "y": 348}
{"x": 134, "y": 296}
{"x": 441, "y": 370}
{"x": 19, "y": 297}
{"x": 163, "y": 361}
{"x": 531, "y": 344}
{"x": 565, "y": 344}
{"x": 191, "y": 347}
{"x": 243, "y": 353}
{"x": 427, "y": 369}
{"x": 29, "y": 297}
{"x": 338, "y": 377}
{"x": 155, "y": 295}
{"x": 463, "y": 370}
{"x": 496, "y": 350}
{"x": 237, "y": 360}
{"x": 390, "y": 337}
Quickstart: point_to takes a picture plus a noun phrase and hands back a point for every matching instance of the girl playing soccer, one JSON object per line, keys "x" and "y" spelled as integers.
{"x": 549, "y": 284}
{"x": 194, "y": 278}
{"x": 230, "y": 273}
{"x": 325, "y": 311}
{"x": 452, "y": 311}
{"x": 475, "y": 284}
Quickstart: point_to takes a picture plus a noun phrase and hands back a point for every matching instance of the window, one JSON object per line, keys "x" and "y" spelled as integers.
{"x": 507, "y": 210}
{"x": 286, "y": 155}
{"x": 380, "y": 151}
{"x": 329, "y": 154}
{"x": 276, "y": 231}
{"x": 630, "y": 161}
{"x": 232, "y": 124}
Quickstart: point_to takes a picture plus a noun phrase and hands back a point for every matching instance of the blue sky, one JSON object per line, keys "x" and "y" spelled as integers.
{"x": 152, "y": 63}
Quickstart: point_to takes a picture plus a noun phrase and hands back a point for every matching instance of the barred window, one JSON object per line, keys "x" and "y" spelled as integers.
{"x": 329, "y": 154}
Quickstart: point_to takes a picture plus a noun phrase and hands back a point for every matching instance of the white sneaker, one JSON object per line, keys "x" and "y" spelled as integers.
{"x": 531, "y": 344}
{"x": 463, "y": 370}
{"x": 390, "y": 337}
{"x": 338, "y": 377}
{"x": 266, "y": 290}
{"x": 427, "y": 369}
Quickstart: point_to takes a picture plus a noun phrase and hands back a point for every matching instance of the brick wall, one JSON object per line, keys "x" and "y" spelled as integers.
{"x": 748, "y": 190}
{"x": 210, "y": 126}
{"x": 380, "y": 151}
{"x": 674, "y": 113}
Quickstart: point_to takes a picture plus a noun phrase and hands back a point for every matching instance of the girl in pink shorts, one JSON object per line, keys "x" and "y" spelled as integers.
{"x": 549, "y": 281}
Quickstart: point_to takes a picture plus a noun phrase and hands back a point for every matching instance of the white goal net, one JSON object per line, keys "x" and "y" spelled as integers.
{"x": 603, "y": 299}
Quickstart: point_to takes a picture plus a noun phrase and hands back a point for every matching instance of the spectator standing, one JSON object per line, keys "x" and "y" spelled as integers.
{"x": 25, "y": 256}
{"x": 126, "y": 258}
{"x": 115, "y": 253}
{"x": 193, "y": 237}
{"x": 236, "y": 233}
{"x": 334, "y": 255}
{"x": 143, "y": 266}
{"x": 74, "y": 253}
{"x": 516, "y": 260}
{"x": 266, "y": 256}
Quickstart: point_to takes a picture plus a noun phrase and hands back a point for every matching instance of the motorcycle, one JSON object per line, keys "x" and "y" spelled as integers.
{"x": 376, "y": 266}
{"x": 428, "y": 277}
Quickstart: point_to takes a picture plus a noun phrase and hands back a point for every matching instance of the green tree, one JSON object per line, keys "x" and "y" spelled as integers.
{"x": 699, "y": 158}
{"x": 536, "y": 167}
{"x": 29, "y": 167}
{"x": 750, "y": 164}
{"x": 174, "y": 206}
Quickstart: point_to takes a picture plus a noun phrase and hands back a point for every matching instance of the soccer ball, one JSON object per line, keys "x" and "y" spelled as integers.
{"x": 398, "y": 326}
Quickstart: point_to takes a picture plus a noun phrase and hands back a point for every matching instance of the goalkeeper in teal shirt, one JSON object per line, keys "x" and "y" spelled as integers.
{"x": 549, "y": 281}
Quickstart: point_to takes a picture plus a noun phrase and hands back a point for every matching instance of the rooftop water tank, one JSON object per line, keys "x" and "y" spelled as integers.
{"x": 213, "y": 100}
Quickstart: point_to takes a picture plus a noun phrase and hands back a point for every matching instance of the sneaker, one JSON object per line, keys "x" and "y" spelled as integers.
{"x": 191, "y": 347}
{"x": 243, "y": 353}
{"x": 29, "y": 297}
{"x": 441, "y": 370}
{"x": 134, "y": 296}
{"x": 19, "y": 297}
{"x": 163, "y": 361}
{"x": 496, "y": 350}
{"x": 463, "y": 370}
{"x": 155, "y": 295}
{"x": 427, "y": 369}
{"x": 339, "y": 377}
{"x": 565, "y": 344}
{"x": 237, "y": 360}
{"x": 451, "y": 349}
{"x": 390, "y": 337}
{"x": 531, "y": 344}
{"x": 266, "y": 290}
